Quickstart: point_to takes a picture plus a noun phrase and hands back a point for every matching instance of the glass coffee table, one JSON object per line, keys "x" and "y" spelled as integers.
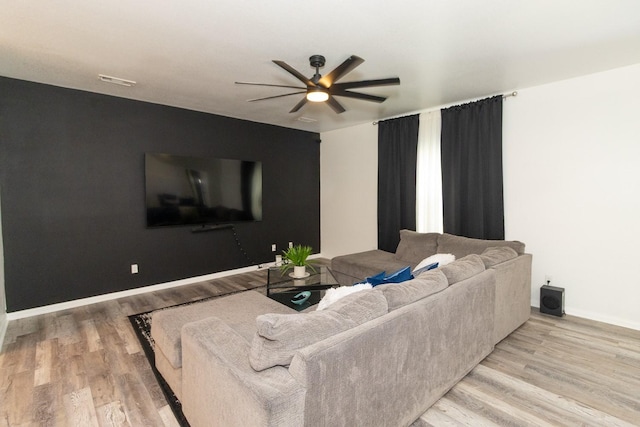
{"x": 299, "y": 293}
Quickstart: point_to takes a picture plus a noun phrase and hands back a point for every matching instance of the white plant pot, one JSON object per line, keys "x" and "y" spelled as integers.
{"x": 299, "y": 271}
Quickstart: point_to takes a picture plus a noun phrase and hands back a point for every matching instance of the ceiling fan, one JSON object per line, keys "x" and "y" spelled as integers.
{"x": 324, "y": 88}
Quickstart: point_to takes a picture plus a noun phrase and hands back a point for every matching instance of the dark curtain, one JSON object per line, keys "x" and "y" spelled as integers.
{"x": 471, "y": 149}
{"x": 397, "y": 157}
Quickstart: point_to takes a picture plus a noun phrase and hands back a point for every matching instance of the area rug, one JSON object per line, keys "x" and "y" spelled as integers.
{"x": 141, "y": 323}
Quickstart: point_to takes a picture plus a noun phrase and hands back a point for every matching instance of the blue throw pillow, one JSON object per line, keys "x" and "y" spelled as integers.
{"x": 399, "y": 276}
{"x": 376, "y": 280}
{"x": 425, "y": 268}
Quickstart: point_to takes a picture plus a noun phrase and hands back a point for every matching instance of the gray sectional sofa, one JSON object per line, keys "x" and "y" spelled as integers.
{"x": 375, "y": 357}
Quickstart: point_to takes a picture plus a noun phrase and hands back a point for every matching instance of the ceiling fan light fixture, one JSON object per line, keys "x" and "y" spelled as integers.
{"x": 317, "y": 94}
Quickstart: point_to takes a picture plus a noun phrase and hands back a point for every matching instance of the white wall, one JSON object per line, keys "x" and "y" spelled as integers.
{"x": 572, "y": 190}
{"x": 349, "y": 190}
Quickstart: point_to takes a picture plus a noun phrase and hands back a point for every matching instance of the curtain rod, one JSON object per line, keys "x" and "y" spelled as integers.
{"x": 504, "y": 96}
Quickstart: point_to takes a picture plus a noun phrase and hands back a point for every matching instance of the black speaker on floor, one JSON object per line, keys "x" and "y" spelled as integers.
{"x": 552, "y": 300}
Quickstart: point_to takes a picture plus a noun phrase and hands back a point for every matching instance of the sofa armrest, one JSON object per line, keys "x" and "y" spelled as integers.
{"x": 219, "y": 387}
{"x": 513, "y": 295}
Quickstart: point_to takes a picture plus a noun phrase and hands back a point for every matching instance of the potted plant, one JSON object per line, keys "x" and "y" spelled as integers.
{"x": 296, "y": 258}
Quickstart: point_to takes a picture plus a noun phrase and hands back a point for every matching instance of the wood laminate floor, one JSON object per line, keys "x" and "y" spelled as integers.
{"x": 85, "y": 367}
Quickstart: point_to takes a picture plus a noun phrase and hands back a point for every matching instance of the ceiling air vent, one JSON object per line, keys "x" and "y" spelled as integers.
{"x": 306, "y": 120}
{"x": 116, "y": 80}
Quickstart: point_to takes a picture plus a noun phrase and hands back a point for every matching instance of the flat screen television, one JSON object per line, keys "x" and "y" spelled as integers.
{"x": 182, "y": 190}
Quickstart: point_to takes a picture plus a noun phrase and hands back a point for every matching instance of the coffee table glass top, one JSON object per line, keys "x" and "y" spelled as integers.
{"x": 286, "y": 289}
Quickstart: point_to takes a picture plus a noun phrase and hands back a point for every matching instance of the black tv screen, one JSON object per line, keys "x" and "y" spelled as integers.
{"x": 199, "y": 190}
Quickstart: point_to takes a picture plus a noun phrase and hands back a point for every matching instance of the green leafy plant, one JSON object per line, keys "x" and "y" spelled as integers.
{"x": 296, "y": 256}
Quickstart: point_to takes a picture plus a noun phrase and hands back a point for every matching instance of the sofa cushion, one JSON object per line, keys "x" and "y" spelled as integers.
{"x": 279, "y": 336}
{"x": 462, "y": 246}
{"x": 463, "y": 268}
{"x": 401, "y": 294}
{"x": 496, "y": 255}
{"x": 414, "y": 246}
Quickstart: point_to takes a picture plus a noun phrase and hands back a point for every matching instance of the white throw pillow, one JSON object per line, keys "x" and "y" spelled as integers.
{"x": 334, "y": 294}
{"x": 441, "y": 259}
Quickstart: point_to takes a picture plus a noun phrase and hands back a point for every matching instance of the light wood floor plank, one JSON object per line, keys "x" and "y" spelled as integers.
{"x": 17, "y": 401}
{"x": 112, "y": 415}
{"x": 461, "y": 415}
{"x": 46, "y": 405}
{"x": 91, "y": 335}
{"x": 126, "y": 334}
{"x": 79, "y": 408}
{"x": 44, "y": 361}
{"x": 84, "y": 366}
{"x": 100, "y": 379}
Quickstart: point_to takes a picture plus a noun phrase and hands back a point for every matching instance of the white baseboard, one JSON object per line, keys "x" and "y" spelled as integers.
{"x": 599, "y": 317}
{"x": 137, "y": 291}
{"x": 3, "y": 329}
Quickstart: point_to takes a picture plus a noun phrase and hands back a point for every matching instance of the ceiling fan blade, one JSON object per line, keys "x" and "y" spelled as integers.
{"x": 367, "y": 83}
{"x": 335, "y": 105}
{"x": 268, "y": 84}
{"x": 294, "y": 72}
{"x": 276, "y": 96}
{"x": 356, "y": 95}
{"x": 340, "y": 71}
{"x": 299, "y": 105}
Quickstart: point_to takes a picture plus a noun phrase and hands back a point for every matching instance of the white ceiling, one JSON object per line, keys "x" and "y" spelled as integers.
{"x": 189, "y": 53}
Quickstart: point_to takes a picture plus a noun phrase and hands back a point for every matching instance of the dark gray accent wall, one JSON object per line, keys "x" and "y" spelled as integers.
{"x": 72, "y": 180}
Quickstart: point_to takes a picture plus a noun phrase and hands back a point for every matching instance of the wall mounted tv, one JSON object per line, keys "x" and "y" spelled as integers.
{"x": 183, "y": 190}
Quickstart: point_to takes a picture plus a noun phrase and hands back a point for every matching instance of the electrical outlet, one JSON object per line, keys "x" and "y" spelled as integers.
{"x": 290, "y": 244}
{"x": 134, "y": 268}
{"x": 273, "y": 247}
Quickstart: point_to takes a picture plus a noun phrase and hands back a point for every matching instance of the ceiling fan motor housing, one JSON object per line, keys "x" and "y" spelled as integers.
{"x": 317, "y": 61}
